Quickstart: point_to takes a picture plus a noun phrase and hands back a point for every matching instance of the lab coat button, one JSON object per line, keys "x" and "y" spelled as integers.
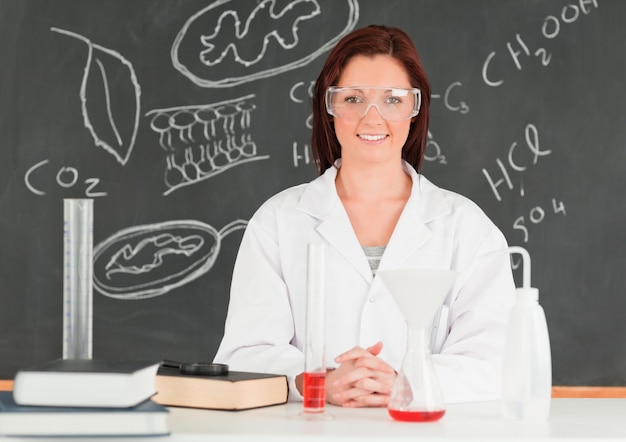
{"x": 372, "y": 299}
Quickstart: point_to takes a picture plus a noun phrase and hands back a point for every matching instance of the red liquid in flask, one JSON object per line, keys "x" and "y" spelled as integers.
{"x": 416, "y": 416}
{"x": 314, "y": 395}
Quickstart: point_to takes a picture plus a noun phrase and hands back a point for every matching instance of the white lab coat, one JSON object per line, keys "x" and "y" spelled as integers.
{"x": 264, "y": 330}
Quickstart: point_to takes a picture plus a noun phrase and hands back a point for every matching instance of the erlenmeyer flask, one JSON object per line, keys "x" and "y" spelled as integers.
{"x": 416, "y": 394}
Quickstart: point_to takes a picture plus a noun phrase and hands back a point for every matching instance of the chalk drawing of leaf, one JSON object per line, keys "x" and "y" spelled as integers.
{"x": 109, "y": 84}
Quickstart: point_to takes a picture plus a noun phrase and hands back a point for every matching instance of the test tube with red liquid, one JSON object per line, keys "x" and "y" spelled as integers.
{"x": 314, "y": 380}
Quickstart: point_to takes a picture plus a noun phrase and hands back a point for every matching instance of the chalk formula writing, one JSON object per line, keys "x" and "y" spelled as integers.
{"x": 301, "y": 154}
{"x": 453, "y": 105}
{"x": 520, "y": 53}
{"x": 536, "y": 215}
{"x": 518, "y": 160}
{"x": 515, "y": 162}
{"x": 66, "y": 177}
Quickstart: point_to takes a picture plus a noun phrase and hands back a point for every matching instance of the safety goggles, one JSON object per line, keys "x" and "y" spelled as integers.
{"x": 354, "y": 102}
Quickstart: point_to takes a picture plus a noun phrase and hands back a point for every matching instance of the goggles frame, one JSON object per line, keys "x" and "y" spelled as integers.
{"x": 331, "y": 109}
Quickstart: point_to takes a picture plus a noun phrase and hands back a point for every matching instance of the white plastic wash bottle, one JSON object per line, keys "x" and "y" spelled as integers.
{"x": 527, "y": 364}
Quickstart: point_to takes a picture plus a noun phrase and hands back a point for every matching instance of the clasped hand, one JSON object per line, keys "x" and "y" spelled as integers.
{"x": 362, "y": 379}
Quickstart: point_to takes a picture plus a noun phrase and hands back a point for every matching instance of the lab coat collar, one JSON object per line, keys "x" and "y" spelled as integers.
{"x": 321, "y": 201}
{"x": 426, "y": 203}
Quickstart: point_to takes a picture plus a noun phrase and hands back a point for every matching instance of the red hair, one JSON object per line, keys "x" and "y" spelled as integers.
{"x": 369, "y": 41}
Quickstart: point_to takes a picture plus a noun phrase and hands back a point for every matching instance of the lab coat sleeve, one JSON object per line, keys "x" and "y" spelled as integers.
{"x": 259, "y": 325}
{"x": 469, "y": 364}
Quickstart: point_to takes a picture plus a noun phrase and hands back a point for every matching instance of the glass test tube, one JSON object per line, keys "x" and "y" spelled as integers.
{"x": 314, "y": 382}
{"x": 77, "y": 278}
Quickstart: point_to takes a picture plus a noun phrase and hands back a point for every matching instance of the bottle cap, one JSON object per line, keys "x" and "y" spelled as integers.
{"x": 527, "y": 294}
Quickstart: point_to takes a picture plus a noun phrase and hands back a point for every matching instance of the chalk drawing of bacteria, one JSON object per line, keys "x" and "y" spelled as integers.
{"x": 231, "y": 42}
{"x": 152, "y": 259}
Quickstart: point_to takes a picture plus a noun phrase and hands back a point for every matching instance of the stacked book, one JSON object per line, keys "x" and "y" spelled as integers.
{"x": 215, "y": 387}
{"x": 83, "y": 397}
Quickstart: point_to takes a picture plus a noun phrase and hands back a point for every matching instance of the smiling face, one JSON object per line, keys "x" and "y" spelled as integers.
{"x": 371, "y": 139}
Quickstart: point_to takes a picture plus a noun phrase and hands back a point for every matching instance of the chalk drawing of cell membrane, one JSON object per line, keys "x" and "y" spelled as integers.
{"x": 102, "y": 64}
{"x": 150, "y": 260}
{"x": 226, "y": 43}
{"x": 202, "y": 141}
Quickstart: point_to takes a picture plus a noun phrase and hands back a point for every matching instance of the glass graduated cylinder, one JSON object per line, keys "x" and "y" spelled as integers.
{"x": 77, "y": 278}
{"x": 314, "y": 379}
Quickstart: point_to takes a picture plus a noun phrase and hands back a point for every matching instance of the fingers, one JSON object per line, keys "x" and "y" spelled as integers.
{"x": 364, "y": 393}
{"x": 353, "y": 353}
{"x": 368, "y": 400}
{"x": 365, "y": 384}
{"x": 334, "y": 388}
{"x": 362, "y": 378}
{"x": 367, "y": 379}
{"x": 363, "y": 357}
{"x": 376, "y": 348}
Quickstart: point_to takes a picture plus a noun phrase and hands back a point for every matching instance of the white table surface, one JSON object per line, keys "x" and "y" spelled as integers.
{"x": 570, "y": 420}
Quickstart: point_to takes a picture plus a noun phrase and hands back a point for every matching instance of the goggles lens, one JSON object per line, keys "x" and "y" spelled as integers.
{"x": 353, "y": 103}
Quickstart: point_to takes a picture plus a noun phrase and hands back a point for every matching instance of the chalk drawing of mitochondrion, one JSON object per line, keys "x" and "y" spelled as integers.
{"x": 150, "y": 260}
{"x": 232, "y": 42}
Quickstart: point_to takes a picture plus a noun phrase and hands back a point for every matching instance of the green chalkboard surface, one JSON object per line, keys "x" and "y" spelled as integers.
{"x": 179, "y": 118}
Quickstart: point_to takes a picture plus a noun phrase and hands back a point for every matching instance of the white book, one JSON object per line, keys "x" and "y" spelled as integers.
{"x": 145, "y": 419}
{"x": 85, "y": 383}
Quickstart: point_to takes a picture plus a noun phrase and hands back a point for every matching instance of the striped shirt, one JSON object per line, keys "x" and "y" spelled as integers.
{"x": 373, "y": 255}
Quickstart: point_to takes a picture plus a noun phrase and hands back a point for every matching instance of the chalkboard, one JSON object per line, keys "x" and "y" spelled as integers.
{"x": 179, "y": 118}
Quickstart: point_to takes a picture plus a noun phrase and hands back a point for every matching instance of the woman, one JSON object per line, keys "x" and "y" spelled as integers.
{"x": 373, "y": 211}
